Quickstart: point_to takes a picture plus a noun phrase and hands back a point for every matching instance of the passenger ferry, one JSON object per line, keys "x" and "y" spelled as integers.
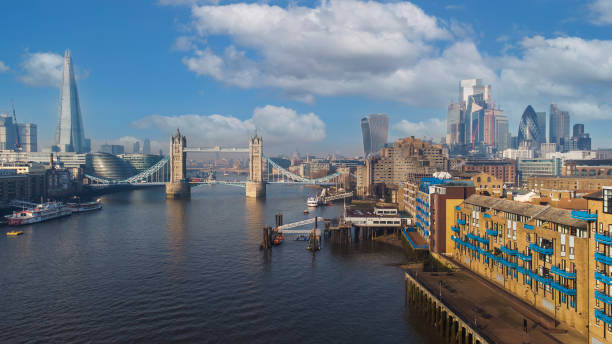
{"x": 39, "y": 213}
{"x": 312, "y": 201}
{"x": 82, "y": 207}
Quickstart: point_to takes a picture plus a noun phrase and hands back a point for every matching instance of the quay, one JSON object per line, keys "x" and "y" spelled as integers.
{"x": 465, "y": 309}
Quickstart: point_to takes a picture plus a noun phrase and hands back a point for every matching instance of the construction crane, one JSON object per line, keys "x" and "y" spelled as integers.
{"x": 17, "y": 141}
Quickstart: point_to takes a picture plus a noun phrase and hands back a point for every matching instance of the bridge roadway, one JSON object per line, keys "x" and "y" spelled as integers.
{"x": 216, "y": 149}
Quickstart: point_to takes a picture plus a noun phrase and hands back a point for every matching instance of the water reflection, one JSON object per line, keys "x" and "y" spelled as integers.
{"x": 177, "y": 222}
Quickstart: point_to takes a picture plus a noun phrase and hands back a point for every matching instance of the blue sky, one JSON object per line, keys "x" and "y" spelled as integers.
{"x": 304, "y": 73}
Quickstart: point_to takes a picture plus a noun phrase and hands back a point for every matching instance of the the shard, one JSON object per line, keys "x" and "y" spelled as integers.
{"x": 70, "y": 136}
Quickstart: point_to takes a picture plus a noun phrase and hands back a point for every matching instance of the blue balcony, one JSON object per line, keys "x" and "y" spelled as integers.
{"x": 541, "y": 279}
{"x": 477, "y": 238}
{"x": 603, "y": 278}
{"x": 523, "y": 271}
{"x": 557, "y": 271}
{"x": 526, "y": 226}
{"x": 601, "y": 315}
{"x": 603, "y": 297}
{"x": 487, "y": 216}
{"x": 455, "y": 229}
{"x": 603, "y": 239}
{"x": 542, "y": 250}
{"x": 523, "y": 257}
{"x": 583, "y": 215}
{"x": 562, "y": 289}
{"x": 461, "y": 222}
{"x": 491, "y": 232}
{"x": 458, "y": 207}
{"x": 602, "y": 258}
{"x": 508, "y": 251}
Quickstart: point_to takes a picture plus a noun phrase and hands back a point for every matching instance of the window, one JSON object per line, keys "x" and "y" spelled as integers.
{"x": 607, "y": 200}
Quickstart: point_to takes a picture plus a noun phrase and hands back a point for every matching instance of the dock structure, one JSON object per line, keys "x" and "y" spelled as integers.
{"x": 337, "y": 196}
{"x": 449, "y": 324}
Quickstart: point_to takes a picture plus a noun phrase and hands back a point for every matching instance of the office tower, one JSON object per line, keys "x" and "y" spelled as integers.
{"x": 489, "y": 127}
{"x": 146, "y": 146}
{"x": 453, "y": 122}
{"x": 578, "y": 130}
{"x": 528, "y": 129}
{"x": 502, "y": 135}
{"x": 28, "y": 137}
{"x": 70, "y": 136}
{"x": 375, "y": 129}
{"x": 559, "y": 124}
{"x": 112, "y": 149}
{"x": 541, "y": 126}
{"x": 136, "y": 147}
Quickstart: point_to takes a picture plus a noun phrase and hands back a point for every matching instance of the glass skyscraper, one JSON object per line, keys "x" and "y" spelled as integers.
{"x": 559, "y": 125}
{"x": 528, "y": 129}
{"x": 70, "y": 136}
{"x": 375, "y": 131}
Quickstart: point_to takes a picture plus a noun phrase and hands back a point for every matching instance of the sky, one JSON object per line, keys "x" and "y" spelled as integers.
{"x": 301, "y": 73}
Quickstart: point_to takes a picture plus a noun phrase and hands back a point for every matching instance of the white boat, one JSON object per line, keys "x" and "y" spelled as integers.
{"x": 312, "y": 201}
{"x": 39, "y": 213}
{"x": 82, "y": 207}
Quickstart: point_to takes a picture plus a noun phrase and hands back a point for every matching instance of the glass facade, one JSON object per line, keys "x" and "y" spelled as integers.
{"x": 375, "y": 131}
{"x": 528, "y": 135}
{"x": 108, "y": 166}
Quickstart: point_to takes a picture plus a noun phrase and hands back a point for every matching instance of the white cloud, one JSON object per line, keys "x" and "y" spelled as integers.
{"x": 277, "y": 125}
{"x": 3, "y": 67}
{"x": 42, "y": 69}
{"x": 128, "y": 143}
{"x": 433, "y": 128}
{"x": 601, "y": 11}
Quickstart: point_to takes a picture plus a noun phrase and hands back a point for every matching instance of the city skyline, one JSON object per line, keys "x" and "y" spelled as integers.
{"x": 206, "y": 65}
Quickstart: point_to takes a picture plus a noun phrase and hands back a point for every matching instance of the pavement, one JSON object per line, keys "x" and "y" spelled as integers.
{"x": 494, "y": 312}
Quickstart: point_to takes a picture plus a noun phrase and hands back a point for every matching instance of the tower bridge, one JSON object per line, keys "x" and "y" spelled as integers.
{"x": 172, "y": 171}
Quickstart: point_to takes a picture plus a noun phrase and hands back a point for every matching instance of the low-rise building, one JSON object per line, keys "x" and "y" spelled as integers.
{"x": 504, "y": 170}
{"x": 488, "y": 185}
{"x": 562, "y": 183}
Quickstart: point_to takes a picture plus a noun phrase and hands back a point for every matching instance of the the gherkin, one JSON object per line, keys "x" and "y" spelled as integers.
{"x": 528, "y": 135}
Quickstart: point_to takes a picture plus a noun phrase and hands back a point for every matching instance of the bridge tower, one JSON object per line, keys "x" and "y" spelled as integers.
{"x": 178, "y": 186}
{"x": 256, "y": 186}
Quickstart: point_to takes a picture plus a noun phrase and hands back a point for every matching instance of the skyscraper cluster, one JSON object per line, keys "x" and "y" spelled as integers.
{"x": 473, "y": 123}
{"x": 17, "y": 136}
{"x": 375, "y": 131}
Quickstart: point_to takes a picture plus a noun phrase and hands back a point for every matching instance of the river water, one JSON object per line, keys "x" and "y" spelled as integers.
{"x": 150, "y": 270}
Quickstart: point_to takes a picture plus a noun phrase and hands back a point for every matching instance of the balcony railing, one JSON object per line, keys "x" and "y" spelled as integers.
{"x": 486, "y": 216}
{"x": 458, "y": 207}
{"x": 602, "y": 258}
{"x": 562, "y": 289}
{"x": 603, "y": 297}
{"x": 540, "y": 249}
{"x": 492, "y": 232}
{"x": 523, "y": 257}
{"x": 477, "y": 238}
{"x": 461, "y": 222}
{"x": 508, "y": 251}
{"x": 601, "y": 315}
{"x": 455, "y": 229}
{"x": 526, "y": 226}
{"x": 558, "y": 271}
{"x": 603, "y": 238}
{"x": 583, "y": 215}
{"x": 603, "y": 278}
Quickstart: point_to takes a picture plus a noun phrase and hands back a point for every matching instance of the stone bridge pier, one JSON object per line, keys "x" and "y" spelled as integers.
{"x": 256, "y": 186}
{"x": 178, "y": 186}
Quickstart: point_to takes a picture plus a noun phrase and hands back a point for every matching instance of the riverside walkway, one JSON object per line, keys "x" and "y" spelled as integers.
{"x": 487, "y": 310}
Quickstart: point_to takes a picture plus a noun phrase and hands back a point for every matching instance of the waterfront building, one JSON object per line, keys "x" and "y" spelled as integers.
{"x": 504, "y": 170}
{"x": 141, "y": 162}
{"x": 559, "y": 124}
{"x": 486, "y": 184}
{"x": 70, "y": 135}
{"x": 108, "y": 166}
{"x": 443, "y": 198}
{"x": 587, "y": 168}
{"x": 599, "y": 213}
{"x": 540, "y": 254}
{"x": 539, "y": 167}
{"x": 567, "y": 183}
{"x": 375, "y": 131}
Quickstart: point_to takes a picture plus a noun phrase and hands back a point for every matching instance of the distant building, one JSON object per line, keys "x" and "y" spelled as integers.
{"x": 539, "y": 167}
{"x": 559, "y": 124}
{"x": 13, "y": 135}
{"x": 577, "y": 184}
{"x": 587, "y": 168}
{"x": 518, "y": 154}
{"x": 488, "y": 185}
{"x": 146, "y": 146}
{"x": 375, "y": 130}
{"x": 504, "y": 170}
{"x": 70, "y": 136}
{"x": 528, "y": 134}
{"x": 541, "y": 126}
{"x": 112, "y": 149}
{"x": 28, "y": 137}
{"x": 136, "y": 147}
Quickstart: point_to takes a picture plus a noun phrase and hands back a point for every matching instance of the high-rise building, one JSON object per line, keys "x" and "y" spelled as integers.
{"x": 146, "y": 146}
{"x": 541, "y": 127}
{"x": 28, "y": 137}
{"x": 17, "y": 136}
{"x": 136, "y": 147}
{"x": 578, "y": 130}
{"x": 454, "y": 129}
{"x": 559, "y": 124}
{"x": 70, "y": 136}
{"x": 502, "y": 136}
{"x": 375, "y": 130}
{"x": 528, "y": 130}
{"x": 112, "y": 149}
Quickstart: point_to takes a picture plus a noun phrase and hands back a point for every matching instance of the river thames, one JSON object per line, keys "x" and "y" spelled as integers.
{"x": 150, "y": 270}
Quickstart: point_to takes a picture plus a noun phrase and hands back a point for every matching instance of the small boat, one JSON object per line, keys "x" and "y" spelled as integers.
{"x": 306, "y": 211}
{"x": 278, "y": 240}
{"x": 14, "y": 233}
{"x": 82, "y": 207}
{"x": 312, "y": 202}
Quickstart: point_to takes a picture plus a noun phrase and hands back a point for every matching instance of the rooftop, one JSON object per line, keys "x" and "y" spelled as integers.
{"x": 540, "y": 212}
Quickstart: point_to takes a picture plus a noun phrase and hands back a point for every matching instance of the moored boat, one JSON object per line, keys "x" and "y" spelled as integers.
{"x": 14, "y": 233}
{"x": 312, "y": 202}
{"x": 82, "y": 207}
{"x": 39, "y": 213}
